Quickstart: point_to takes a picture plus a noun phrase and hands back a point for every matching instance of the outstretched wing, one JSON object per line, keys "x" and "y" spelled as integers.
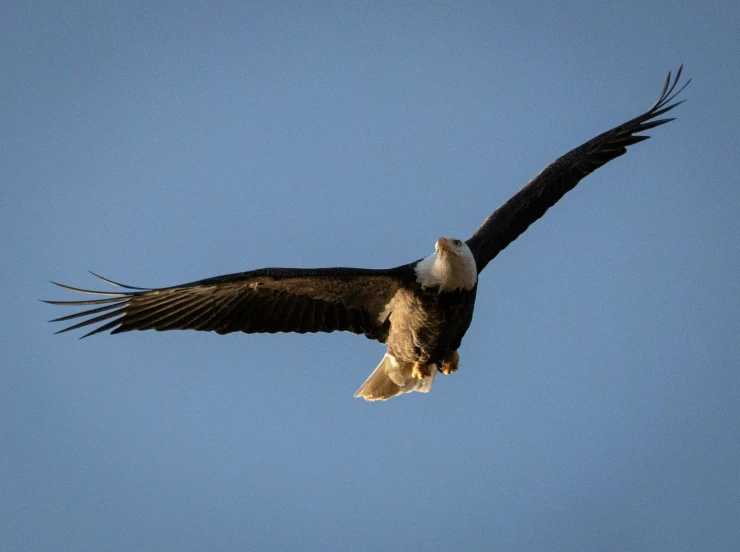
{"x": 530, "y": 203}
{"x": 268, "y": 300}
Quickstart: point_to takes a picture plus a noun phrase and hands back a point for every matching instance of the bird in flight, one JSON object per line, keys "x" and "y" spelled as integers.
{"x": 421, "y": 310}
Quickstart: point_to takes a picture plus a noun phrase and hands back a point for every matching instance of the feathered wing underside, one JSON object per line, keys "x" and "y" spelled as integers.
{"x": 531, "y": 202}
{"x": 268, "y": 300}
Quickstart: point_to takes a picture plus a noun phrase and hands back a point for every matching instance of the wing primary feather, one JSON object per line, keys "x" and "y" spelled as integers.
{"x": 632, "y": 140}
{"x": 185, "y": 318}
{"x": 154, "y": 299}
{"x": 90, "y": 292}
{"x": 230, "y": 319}
{"x": 111, "y": 282}
{"x": 139, "y": 317}
{"x": 204, "y": 319}
{"x": 87, "y": 302}
{"x": 87, "y": 312}
{"x": 675, "y": 81}
{"x": 193, "y": 316}
{"x": 138, "y": 311}
{"x": 665, "y": 93}
{"x": 94, "y": 320}
{"x": 666, "y": 109}
{"x": 653, "y": 124}
{"x": 223, "y": 310}
{"x": 103, "y": 328}
{"x": 137, "y": 314}
{"x": 671, "y": 98}
{"x": 174, "y": 312}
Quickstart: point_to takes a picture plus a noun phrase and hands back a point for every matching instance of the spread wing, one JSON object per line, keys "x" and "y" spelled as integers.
{"x": 267, "y": 300}
{"x": 530, "y": 203}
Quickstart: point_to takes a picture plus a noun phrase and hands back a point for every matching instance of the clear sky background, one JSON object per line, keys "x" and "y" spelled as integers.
{"x": 597, "y": 403}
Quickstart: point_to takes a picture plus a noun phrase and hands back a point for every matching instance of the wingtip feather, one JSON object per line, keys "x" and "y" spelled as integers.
{"x": 117, "y": 284}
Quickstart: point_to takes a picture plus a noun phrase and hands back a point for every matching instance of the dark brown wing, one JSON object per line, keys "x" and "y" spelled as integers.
{"x": 530, "y": 203}
{"x": 268, "y": 300}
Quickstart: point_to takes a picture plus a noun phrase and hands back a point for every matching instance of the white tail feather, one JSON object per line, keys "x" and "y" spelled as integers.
{"x": 393, "y": 378}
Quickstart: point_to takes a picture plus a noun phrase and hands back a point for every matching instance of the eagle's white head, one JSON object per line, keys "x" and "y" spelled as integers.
{"x": 451, "y": 267}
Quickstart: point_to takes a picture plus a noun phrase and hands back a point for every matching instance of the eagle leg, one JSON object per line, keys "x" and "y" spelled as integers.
{"x": 451, "y": 362}
{"x": 421, "y": 371}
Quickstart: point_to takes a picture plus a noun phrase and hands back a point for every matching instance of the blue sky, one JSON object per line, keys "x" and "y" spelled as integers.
{"x": 596, "y": 407}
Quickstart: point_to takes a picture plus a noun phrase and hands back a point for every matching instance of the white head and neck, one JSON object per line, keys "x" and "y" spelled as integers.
{"x": 450, "y": 268}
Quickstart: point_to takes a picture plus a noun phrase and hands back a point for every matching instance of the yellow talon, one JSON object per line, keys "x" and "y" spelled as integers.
{"x": 421, "y": 371}
{"x": 451, "y": 363}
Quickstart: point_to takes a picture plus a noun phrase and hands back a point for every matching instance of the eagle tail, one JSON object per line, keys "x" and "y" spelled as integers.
{"x": 393, "y": 378}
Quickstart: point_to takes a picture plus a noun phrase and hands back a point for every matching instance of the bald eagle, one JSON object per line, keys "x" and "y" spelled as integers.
{"x": 421, "y": 310}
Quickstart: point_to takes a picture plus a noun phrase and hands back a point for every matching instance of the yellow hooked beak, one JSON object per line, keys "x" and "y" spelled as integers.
{"x": 443, "y": 244}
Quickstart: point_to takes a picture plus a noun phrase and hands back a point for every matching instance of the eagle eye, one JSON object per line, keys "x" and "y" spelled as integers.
{"x": 457, "y": 243}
